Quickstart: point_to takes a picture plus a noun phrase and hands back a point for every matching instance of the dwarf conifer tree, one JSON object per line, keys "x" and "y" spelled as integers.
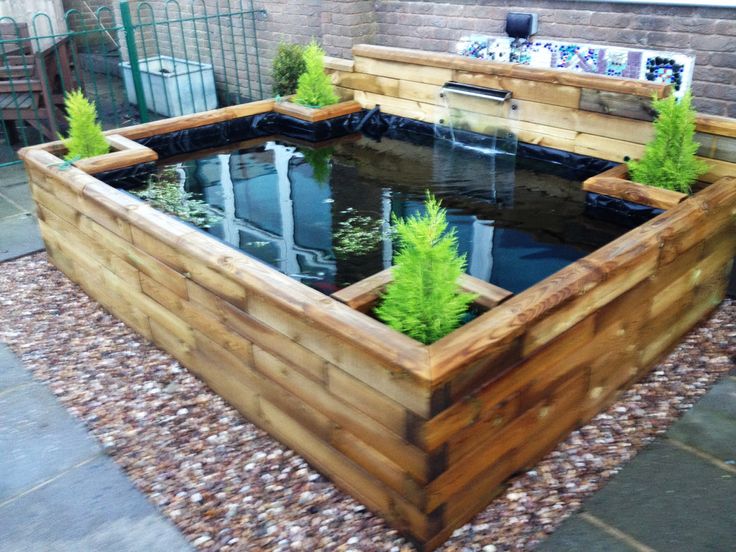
{"x": 288, "y": 66}
{"x": 424, "y": 300}
{"x": 85, "y": 137}
{"x": 315, "y": 88}
{"x": 669, "y": 159}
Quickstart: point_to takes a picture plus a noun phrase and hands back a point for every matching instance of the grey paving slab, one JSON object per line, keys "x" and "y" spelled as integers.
{"x": 671, "y": 500}
{"x": 38, "y": 439}
{"x": 19, "y": 236}
{"x": 711, "y": 424}
{"x": 12, "y": 372}
{"x": 577, "y": 534}
{"x": 90, "y": 508}
{"x": 7, "y": 209}
{"x": 20, "y": 194}
{"x": 12, "y": 174}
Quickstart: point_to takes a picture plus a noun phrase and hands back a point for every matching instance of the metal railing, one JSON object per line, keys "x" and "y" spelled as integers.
{"x": 157, "y": 60}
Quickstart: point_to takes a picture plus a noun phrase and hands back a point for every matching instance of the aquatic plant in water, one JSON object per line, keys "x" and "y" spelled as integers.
{"x": 164, "y": 192}
{"x": 85, "y": 138}
{"x": 424, "y": 300}
{"x": 669, "y": 159}
{"x": 315, "y": 88}
{"x": 357, "y": 235}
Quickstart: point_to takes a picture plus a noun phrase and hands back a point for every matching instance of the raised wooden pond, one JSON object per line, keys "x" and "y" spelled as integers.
{"x": 423, "y": 435}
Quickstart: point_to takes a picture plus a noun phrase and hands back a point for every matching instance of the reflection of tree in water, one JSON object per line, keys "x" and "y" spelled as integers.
{"x": 319, "y": 160}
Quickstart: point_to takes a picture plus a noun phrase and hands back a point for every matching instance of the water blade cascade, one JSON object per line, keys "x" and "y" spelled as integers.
{"x": 488, "y": 111}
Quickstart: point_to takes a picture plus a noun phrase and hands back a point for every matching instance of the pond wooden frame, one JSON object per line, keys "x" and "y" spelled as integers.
{"x": 423, "y": 435}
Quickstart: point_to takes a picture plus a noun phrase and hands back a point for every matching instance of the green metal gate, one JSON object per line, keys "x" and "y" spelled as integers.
{"x": 144, "y": 62}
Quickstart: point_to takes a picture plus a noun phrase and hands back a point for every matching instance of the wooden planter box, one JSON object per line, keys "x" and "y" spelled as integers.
{"x": 615, "y": 183}
{"x": 313, "y": 115}
{"x": 124, "y": 153}
{"x": 423, "y": 435}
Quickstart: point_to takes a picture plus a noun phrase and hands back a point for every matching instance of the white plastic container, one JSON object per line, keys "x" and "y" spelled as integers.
{"x": 173, "y": 86}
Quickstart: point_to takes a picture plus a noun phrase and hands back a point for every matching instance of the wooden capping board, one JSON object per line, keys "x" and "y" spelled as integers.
{"x": 361, "y": 295}
{"x": 339, "y": 64}
{"x": 615, "y": 183}
{"x": 127, "y": 153}
{"x": 317, "y": 114}
{"x": 462, "y": 63}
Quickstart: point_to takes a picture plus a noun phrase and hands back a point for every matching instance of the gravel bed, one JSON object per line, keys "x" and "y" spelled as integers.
{"x": 229, "y": 486}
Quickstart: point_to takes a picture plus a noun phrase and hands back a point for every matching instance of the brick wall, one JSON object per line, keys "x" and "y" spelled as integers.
{"x": 708, "y": 33}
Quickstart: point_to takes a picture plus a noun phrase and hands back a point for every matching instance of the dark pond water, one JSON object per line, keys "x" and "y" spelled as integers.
{"x": 323, "y": 216}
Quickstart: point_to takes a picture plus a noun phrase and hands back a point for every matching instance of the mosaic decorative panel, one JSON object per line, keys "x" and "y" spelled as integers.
{"x": 668, "y": 67}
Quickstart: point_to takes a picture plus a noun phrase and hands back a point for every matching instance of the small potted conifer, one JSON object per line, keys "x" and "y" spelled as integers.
{"x": 424, "y": 300}
{"x": 85, "y": 138}
{"x": 315, "y": 98}
{"x": 426, "y": 294}
{"x": 663, "y": 177}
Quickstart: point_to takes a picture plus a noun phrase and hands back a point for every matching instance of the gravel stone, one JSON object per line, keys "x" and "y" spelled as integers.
{"x": 178, "y": 441}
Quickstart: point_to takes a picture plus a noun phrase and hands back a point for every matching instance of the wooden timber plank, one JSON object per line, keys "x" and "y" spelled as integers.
{"x": 363, "y": 294}
{"x": 381, "y": 376}
{"x": 428, "y": 93}
{"x": 436, "y": 60}
{"x": 607, "y": 148}
{"x": 632, "y": 191}
{"x": 712, "y": 146}
{"x": 339, "y": 64}
{"x": 564, "y": 397}
{"x": 107, "y": 289}
{"x": 713, "y": 124}
{"x": 344, "y": 473}
{"x": 562, "y": 355}
{"x": 397, "y": 106}
{"x": 523, "y": 89}
{"x": 172, "y": 124}
{"x": 145, "y": 263}
{"x": 116, "y": 160}
{"x": 366, "y": 399}
{"x": 618, "y": 104}
{"x": 197, "y": 319}
{"x": 607, "y": 126}
{"x": 560, "y": 420}
{"x": 258, "y": 333}
{"x": 90, "y": 249}
{"x": 312, "y": 393}
{"x": 421, "y": 73}
{"x": 368, "y": 83}
{"x": 717, "y": 169}
{"x": 314, "y": 115}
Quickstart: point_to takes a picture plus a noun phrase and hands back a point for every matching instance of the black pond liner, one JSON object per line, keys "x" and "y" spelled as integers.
{"x": 618, "y": 211}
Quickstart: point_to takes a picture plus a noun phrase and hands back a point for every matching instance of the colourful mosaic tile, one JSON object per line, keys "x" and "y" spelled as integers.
{"x": 667, "y": 67}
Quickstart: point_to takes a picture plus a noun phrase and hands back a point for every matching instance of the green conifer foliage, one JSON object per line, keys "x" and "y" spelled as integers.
{"x": 288, "y": 65}
{"x": 315, "y": 88}
{"x": 424, "y": 300}
{"x": 85, "y": 133}
{"x": 669, "y": 159}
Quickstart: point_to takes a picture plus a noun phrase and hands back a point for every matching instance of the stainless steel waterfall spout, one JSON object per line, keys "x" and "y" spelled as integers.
{"x": 492, "y": 94}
